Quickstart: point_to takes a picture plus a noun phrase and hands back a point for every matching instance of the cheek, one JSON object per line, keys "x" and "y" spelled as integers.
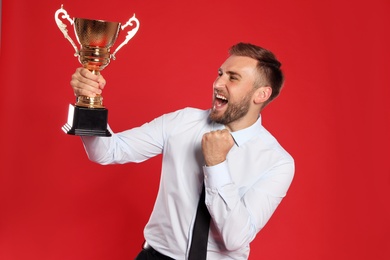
{"x": 237, "y": 92}
{"x": 242, "y": 94}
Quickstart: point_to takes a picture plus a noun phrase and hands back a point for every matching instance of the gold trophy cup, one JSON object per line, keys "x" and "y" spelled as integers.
{"x": 88, "y": 116}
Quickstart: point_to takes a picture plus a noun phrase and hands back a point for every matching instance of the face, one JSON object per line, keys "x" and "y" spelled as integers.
{"x": 233, "y": 90}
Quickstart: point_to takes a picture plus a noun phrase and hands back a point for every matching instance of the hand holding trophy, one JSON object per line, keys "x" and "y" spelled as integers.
{"x": 88, "y": 116}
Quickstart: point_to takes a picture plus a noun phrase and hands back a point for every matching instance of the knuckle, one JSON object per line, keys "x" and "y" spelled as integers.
{"x": 73, "y": 83}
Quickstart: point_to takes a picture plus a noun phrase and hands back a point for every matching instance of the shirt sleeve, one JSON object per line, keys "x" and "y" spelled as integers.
{"x": 240, "y": 214}
{"x": 134, "y": 145}
{"x": 217, "y": 176}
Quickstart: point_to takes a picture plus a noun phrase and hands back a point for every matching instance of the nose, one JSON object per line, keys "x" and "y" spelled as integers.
{"x": 219, "y": 82}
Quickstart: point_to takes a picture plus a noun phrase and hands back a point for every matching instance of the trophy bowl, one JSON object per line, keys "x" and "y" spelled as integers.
{"x": 96, "y": 38}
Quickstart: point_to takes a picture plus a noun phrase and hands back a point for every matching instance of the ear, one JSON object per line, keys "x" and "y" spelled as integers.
{"x": 262, "y": 94}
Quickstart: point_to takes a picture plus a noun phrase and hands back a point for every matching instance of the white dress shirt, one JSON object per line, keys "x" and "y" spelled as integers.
{"x": 241, "y": 192}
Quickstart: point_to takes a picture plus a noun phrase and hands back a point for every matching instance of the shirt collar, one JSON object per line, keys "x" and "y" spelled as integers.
{"x": 242, "y": 136}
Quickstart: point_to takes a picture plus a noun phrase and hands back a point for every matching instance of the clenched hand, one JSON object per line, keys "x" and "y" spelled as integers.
{"x": 216, "y": 145}
{"x": 86, "y": 83}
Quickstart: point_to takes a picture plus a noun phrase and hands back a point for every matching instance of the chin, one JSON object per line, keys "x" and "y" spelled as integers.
{"x": 217, "y": 117}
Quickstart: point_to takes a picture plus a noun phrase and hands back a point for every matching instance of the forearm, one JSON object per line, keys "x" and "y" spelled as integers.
{"x": 134, "y": 145}
{"x": 97, "y": 148}
{"x": 230, "y": 216}
{"x": 239, "y": 213}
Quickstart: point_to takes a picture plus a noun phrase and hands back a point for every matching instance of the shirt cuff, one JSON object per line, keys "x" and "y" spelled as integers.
{"x": 217, "y": 176}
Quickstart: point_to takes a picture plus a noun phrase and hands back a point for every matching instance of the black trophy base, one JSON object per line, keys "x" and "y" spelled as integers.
{"x": 85, "y": 121}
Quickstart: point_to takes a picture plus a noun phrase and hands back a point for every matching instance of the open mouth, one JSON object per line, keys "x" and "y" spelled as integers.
{"x": 220, "y": 101}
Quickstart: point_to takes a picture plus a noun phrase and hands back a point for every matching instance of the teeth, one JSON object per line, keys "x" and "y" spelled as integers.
{"x": 221, "y": 97}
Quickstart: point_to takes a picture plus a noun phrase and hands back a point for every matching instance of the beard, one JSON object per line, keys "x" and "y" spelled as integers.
{"x": 233, "y": 112}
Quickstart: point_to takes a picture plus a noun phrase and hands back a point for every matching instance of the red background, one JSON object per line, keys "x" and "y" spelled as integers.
{"x": 332, "y": 116}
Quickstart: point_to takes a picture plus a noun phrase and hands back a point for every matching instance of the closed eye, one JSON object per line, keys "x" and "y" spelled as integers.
{"x": 232, "y": 75}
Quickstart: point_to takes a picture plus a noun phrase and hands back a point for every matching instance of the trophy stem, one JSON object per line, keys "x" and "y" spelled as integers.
{"x": 94, "y": 58}
{"x": 95, "y": 72}
{"x": 90, "y": 102}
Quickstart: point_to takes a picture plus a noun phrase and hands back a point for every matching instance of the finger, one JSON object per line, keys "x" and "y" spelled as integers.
{"x": 219, "y": 134}
{"x": 86, "y": 83}
{"x": 88, "y": 75}
{"x": 102, "y": 82}
{"x": 85, "y": 87}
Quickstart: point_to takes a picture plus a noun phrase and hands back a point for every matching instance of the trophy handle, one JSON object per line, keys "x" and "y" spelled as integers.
{"x": 130, "y": 34}
{"x": 62, "y": 27}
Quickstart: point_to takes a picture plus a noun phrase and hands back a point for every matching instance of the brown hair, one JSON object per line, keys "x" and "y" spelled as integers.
{"x": 267, "y": 65}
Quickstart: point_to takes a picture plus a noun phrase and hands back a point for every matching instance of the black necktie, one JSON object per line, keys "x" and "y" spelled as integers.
{"x": 200, "y": 233}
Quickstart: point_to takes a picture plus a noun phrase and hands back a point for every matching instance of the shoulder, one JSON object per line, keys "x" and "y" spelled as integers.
{"x": 185, "y": 122}
{"x": 187, "y": 115}
{"x": 273, "y": 144}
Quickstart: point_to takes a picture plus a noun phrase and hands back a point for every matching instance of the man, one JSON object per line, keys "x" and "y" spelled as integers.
{"x": 245, "y": 171}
